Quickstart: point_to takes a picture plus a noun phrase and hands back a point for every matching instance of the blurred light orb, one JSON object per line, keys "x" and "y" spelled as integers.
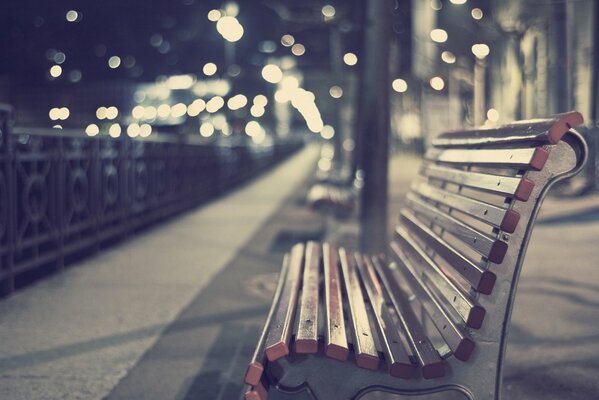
{"x": 133, "y": 130}
{"x": 232, "y": 9}
{"x": 328, "y": 11}
{"x": 164, "y": 110}
{"x": 436, "y": 5}
{"x": 260, "y": 100}
{"x": 448, "y": 57}
{"x": 281, "y": 96}
{"x": 101, "y": 113}
{"x": 206, "y": 129}
{"x": 92, "y": 130}
{"x": 214, "y": 15}
{"x": 327, "y": 132}
{"x": 253, "y": 128}
{"x": 458, "y": 1}
{"x": 287, "y": 40}
{"x": 178, "y": 110}
{"x": 439, "y": 35}
{"x": 145, "y": 130}
{"x": 72, "y": 16}
{"x": 215, "y": 104}
{"x": 114, "y": 130}
{"x": 298, "y": 49}
{"x": 236, "y": 102}
{"x": 477, "y": 13}
{"x": 493, "y": 115}
{"x": 229, "y": 28}
{"x": 195, "y": 108}
{"x": 75, "y": 76}
{"x": 399, "y": 85}
{"x": 267, "y": 46}
{"x": 289, "y": 83}
{"x": 114, "y": 62}
{"x": 59, "y": 57}
{"x": 257, "y": 111}
{"x": 349, "y": 144}
{"x": 64, "y": 113}
{"x": 150, "y": 112}
{"x": 336, "y": 92}
{"x": 137, "y": 112}
{"x": 55, "y": 71}
{"x": 209, "y": 69}
{"x": 437, "y": 83}
{"x": 112, "y": 112}
{"x": 480, "y": 50}
{"x": 272, "y": 73}
{"x": 350, "y": 59}
{"x": 54, "y": 114}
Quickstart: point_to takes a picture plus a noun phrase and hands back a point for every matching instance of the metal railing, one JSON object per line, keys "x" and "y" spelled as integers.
{"x": 63, "y": 194}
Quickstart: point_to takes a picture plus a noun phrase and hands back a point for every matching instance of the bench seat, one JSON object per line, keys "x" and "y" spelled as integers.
{"x": 432, "y": 314}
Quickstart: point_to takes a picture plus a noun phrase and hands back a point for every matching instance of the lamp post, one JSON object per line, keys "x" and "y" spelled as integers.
{"x": 480, "y": 51}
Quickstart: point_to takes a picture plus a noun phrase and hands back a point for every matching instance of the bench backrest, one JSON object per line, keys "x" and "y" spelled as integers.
{"x": 464, "y": 231}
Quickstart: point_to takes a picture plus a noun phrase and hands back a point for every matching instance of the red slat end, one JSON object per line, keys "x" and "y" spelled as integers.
{"x": 434, "y": 370}
{"x": 476, "y": 317}
{"x": 568, "y": 120}
{"x": 497, "y": 252}
{"x": 539, "y": 158}
{"x": 367, "y": 361}
{"x": 464, "y": 349}
{"x": 254, "y": 373}
{"x": 276, "y": 351}
{"x": 306, "y": 346}
{"x": 510, "y": 221}
{"x": 524, "y": 189}
{"x": 401, "y": 370}
{"x": 336, "y": 352}
{"x": 486, "y": 283}
{"x": 258, "y": 392}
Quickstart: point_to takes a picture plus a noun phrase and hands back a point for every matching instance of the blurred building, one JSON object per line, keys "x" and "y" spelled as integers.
{"x": 534, "y": 59}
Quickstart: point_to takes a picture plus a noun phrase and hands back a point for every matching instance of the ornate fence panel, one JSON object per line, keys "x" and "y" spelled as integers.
{"x": 63, "y": 195}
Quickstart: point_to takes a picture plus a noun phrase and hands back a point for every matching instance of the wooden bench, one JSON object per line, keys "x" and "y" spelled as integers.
{"x": 338, "y": 198}
{"x": 435, "y": 315}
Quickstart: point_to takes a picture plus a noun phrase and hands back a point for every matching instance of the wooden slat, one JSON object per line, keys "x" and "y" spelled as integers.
{"x": 398, "y": 361}
{"x": 546, "y": 130}
{"x": 480, "y": 279}
{"x": 364, "y": 347}
{"x": 256, "y": 366}
{"x": 491, "y": 248}
{"x": 279, "y": 334}
{"x": 306, "y": 339}
{"x": 460, "y": 344}
{"x": 424, "y": 351}
{"x": 471, "y": 313}
{"x": 502, "y": 218}
{"x": 533, "y": 158}
{"x": 335, "y": 338}
{"x": 518, "y": 188}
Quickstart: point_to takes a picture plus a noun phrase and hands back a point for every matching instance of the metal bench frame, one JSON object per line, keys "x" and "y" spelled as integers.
{"x": 480, "y": 376}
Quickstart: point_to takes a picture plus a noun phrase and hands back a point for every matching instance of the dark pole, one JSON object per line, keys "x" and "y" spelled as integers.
{"x": 375, "y": 125}
{"x": 594, "y": 123}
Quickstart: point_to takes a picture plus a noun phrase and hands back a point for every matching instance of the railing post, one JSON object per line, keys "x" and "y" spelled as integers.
{"x": 7, "y": 201}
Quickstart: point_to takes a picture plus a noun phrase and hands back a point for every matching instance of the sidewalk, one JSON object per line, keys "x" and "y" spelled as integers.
{"x": 76, "y": 334}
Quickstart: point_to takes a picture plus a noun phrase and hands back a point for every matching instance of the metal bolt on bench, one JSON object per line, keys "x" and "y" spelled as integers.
{"x": 435, "y": 315}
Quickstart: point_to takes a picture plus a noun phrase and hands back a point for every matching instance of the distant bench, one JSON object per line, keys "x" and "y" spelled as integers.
{"x": 435, "y": 316}
{"x": 336, "y": 197}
